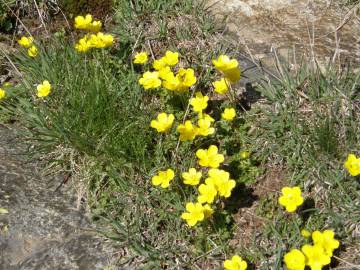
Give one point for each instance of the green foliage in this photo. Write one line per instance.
(309, 126)
(350, 2)
(161, 20)
(6, 22)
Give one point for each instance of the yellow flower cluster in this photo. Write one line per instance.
(316, 256)
(28, 43)
(188, 131)
(96, 40)
(185, 78)
(163, 75)
(352, 164)
(87, 23)
(218, 183)
(229, 68)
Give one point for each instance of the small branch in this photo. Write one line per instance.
(18, 18)
(151, 50)
(66, 179)
(137, 41)
(356, 266)
(184, 119)
(11, 62)
(41, 18)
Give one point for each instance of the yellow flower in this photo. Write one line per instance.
(150, 80)
(163, 178)
(244, 154)
(159, 64)
(44, 89)
(141, 58)
(224, 63)
(209, 157)
(204, 127)
(233, 75)
(186, 78)
(94, 27)
(294, 260)
(166, 73)
(181, 82)
(26, 42)
(32, 51)
(206, 117)
(7, 84)
(95, 41)
(199, 102)
(291, 198)
(207, 193)
(163, 122)
(208, 211)
(352, 164)
(315, 256)
(192, 177)
(236, 263)
(228, 114)
(107, 39)
(171, 58)
(222, 182)
(187, 131)
(83, 45)
(101, 40)
(326, 240)
(305, 233)
(2, 93)
(170, 81)
(194, 214)
(221, 86)
(83, 22)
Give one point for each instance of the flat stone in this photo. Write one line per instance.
(317, 28)
(43, 228)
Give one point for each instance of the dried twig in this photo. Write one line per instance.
(41, 17)
(18, 18)
(356, 266)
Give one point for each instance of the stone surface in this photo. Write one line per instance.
(318, 28)
(43, 229)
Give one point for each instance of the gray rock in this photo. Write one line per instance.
(43, 229)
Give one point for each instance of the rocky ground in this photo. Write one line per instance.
(324, 29)
(43, 229)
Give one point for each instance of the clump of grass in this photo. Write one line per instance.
(6, 20)
(308, 126)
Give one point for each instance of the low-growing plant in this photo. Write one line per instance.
(166, 151)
